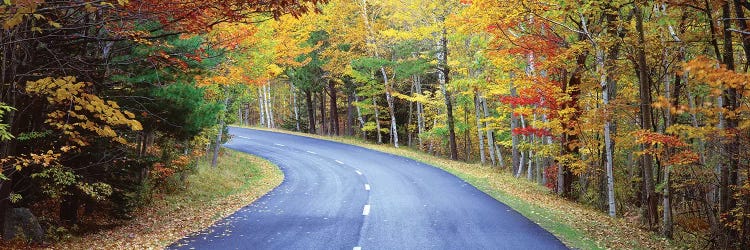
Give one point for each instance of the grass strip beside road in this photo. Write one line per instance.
(212, 194)
(578, 226)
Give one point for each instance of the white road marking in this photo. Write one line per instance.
(280, 145)
(366, 211)
(359, 173)
(243, 137)
(367, 187)
(357, 248)
(311, 152)
(340, 162)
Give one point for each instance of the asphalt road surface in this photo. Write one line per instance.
(339, 196)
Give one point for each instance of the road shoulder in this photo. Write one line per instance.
(239, 180)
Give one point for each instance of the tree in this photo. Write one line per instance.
(115, 53)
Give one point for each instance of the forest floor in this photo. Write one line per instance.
(211, 194)
(578, 226)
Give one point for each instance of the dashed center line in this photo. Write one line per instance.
(359, 173)
(243, 137)
(311, 152)
(339, 162)
(357, 248)
(367, 187)
(280, 145)
(366, 210)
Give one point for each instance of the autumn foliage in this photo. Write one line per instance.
(104, 104)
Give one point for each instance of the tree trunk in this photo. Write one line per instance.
(265, 106)
(521, 163)
(217, 146)
(742, 23)
(729, 175)
(391, 108)
(261, 108)
(334, 110)
(377, 119)
(420, 110)
(480, 134)
(467, 136)
(6, 188)
(515, 153)
(350, 114)
(529, 168)
(538, 168)
(443, 77)
(310, 112)
(323, 128)
(296, 107)
(522, 159)
(239, 113)
(667, 225)
(601, 67)
(409, 131)
(360, 118)
(246, 107)
(269, 106)
(649, 195)
(492, 147)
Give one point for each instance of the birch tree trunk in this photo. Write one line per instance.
(493, 148)
(246, 107)
(515, 154)
(480, 134)
(239, 114)
(261, 107)
(294, 103)
(269, 106)
(409, 131)
(600, 58)
(522, 159)
(666, 195)
(529, 168)
(391, 108)
(420, 110)
(538, 168)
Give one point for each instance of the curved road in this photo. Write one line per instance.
(339, 196)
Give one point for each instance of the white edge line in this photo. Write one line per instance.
(280, 145)
(311, 152)
(359, 173)
(339, 162)
(367, 187)
(366, 210)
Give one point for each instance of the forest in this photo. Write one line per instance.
(638, 109)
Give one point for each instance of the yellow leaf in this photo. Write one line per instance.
(54, 24)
